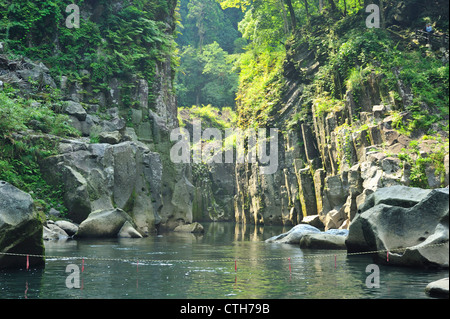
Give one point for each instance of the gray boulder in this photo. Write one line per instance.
(128, 231)
(398, 195)
(110, 137)
(76, 110)
(103, 224)
(322, 241)
(190, 228)
(54, 212)
(54, 232)
(20, 228)
(411, 223)
(68, 227)
(294, 235)
(438, 288)
(330, 239)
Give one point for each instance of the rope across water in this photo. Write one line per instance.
(227, 260)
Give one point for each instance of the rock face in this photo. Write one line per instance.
(121, 159)
(214, 192)
(24, 74)
(20, 228)
(331, 160)
(281, 198)
(123, 167)
(104, 176)
(410, 219)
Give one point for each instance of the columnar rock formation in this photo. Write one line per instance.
(329, 162)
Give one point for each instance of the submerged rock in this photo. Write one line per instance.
(20, 228)
(190, 228)
(411, 220)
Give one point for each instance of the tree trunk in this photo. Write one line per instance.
(332, 5)
(306, 8)
(382, 17)
(292, 14)
(285, 19)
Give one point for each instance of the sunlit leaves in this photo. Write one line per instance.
(242, 4)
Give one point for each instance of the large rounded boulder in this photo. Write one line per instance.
(20, 229)
(105, 224)
(410, 223)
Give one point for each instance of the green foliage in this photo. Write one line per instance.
(260, 84)
(356, 50)
(242, 4)
(418, 162)
(25, 174)
(264, 24)
(427, 78)
(429, 83)
(348, 59)
(268, 26)
(211, 116)
(18, 114)
(20, 154)
(208, 38)
(112, 42)
(204, 22)
(325, 104)
(206, 76)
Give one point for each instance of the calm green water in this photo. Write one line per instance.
(158, 274)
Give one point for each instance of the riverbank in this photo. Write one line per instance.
(174, 265)
(409, 223)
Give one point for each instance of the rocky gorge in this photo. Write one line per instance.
(125, 186)
(345, 178)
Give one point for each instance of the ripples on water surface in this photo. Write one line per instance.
(151, 268)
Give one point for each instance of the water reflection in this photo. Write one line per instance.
(179, 265)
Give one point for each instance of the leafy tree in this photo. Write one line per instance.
(206, 76)
(189, 79)
(204, 22)
(209, 38)
(218, 66)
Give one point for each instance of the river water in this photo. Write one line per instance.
(227, 261)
